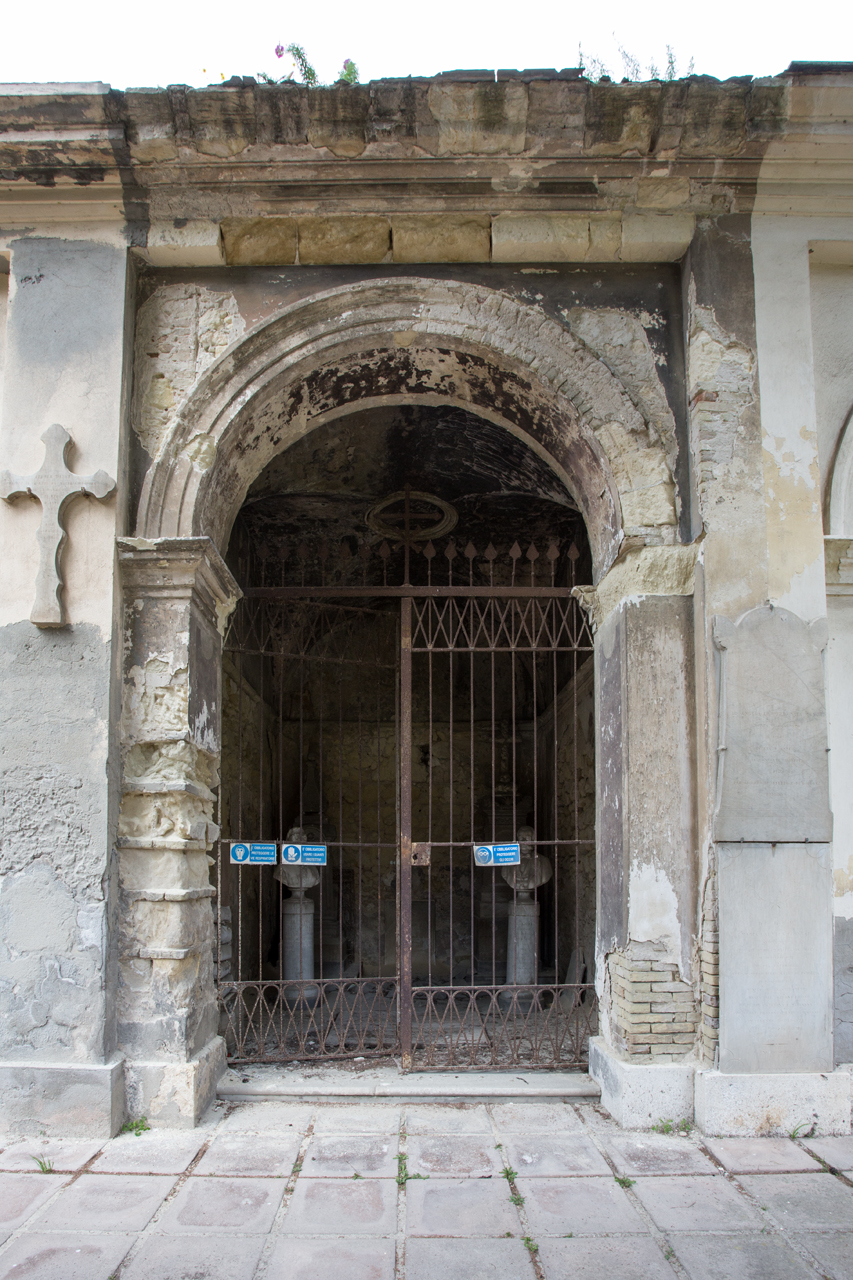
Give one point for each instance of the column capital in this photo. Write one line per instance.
(179, 568)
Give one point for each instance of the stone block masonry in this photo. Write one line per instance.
(653, 1010)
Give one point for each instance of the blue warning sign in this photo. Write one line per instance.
(254, 853)
(304, 854)
(497, 855)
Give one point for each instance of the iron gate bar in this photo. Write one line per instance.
(460, 1023)
(406, 834)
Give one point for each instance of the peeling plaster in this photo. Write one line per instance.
(653, 912)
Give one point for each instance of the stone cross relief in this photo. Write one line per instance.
(55, 486)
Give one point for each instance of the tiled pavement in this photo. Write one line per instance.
(377, 1191)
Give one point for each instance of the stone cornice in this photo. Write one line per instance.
(523, 144)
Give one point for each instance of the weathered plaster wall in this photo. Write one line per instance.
(64, 363)
(4, 302)
(53, 837)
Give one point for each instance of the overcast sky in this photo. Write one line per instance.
(162, 42)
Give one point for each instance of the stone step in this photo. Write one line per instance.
(389, 1084)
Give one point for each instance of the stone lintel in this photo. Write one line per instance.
(63, 1099)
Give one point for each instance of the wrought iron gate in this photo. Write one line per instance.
(400, 725)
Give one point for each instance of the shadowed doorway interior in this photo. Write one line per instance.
(407, 676)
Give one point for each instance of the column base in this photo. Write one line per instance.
(175, 1095)
(742, 1106)
(639, 1095)
(72, 1100)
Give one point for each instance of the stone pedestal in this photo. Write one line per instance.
(522, 934)
(298, 949)
(746, 1105)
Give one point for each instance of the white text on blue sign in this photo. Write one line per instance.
(497, 855)
(304, 854)
(255, 853)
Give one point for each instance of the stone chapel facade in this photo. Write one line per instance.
(602, 327)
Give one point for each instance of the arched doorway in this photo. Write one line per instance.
(370, 346)
(407, 678)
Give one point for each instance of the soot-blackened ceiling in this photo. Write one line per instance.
(322, 487)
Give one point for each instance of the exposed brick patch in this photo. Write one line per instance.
(653, 1011)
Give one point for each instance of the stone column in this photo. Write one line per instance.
(59, 1069)
(647, 856)
(178, 595)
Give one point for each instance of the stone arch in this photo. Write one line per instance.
(408, 339)
(838, 500)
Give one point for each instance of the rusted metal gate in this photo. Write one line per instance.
(401, 723)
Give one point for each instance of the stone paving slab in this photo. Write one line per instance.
(151, 1152)
(66, 1157)
(21, 1194)
(207, 1257)
(833, 1251)
(437, 1119)
(467, 1260)
(584, 1206)
(644, 1155)
(613, 1259)
(460, 1207)
(368, 1157)
(803, 1201)
(761, 1155)
(295, 1258)
(837, 1152)
(338, 1206)
(244, 1155)
(269, 1117)
(244, 1205)
(375, 1118)
(536, 1117)
(449, 1156)
(106, 1202)
(64, 1256)
(743, 1256)
(696, 1204)
(214, 1223)
(548, 1156)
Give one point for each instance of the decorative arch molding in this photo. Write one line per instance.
(410, 340)
(838, 501)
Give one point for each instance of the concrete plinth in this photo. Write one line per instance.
(175, 1095)
(729, 1105)
(640, 1095)
(298, 949)
(64, 1099)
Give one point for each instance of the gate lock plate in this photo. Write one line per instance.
(420, 854)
